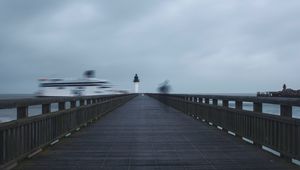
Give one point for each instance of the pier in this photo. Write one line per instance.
(153, 131)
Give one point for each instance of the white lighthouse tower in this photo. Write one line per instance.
(136, 82)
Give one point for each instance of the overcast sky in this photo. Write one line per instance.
(200, 46)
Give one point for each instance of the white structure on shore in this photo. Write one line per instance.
(136, 82)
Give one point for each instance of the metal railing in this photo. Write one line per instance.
(26, 135)
(281, 133)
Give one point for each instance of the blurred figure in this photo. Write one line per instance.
(164, 87)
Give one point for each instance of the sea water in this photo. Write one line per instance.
(11, 114)
(7, 115)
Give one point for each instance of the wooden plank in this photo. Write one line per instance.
(142, 134)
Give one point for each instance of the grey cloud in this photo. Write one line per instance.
(200, 46)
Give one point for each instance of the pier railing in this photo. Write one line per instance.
(278, 133)
(26, 136)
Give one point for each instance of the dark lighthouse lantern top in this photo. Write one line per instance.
(136, 79)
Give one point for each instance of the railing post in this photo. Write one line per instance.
(73, 103)
(22, 112)
(199, 99)
(195, 99)
(206, 100)
(215, 102)
(286, 111)
(88, 101)
(225, 103)
(46, 108)
(81, 102)
(257, 107)
(61, 106)
(239, 105)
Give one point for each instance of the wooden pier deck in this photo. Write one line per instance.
(145, 134)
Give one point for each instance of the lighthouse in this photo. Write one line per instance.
(136, 82)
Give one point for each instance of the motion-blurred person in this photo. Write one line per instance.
(164, 88)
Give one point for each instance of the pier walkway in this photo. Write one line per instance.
(145, 134)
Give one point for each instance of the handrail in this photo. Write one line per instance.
(278, 132)
(23, 104)
(28, 135)
(12, 103)
(286, 104)
(270, 100)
